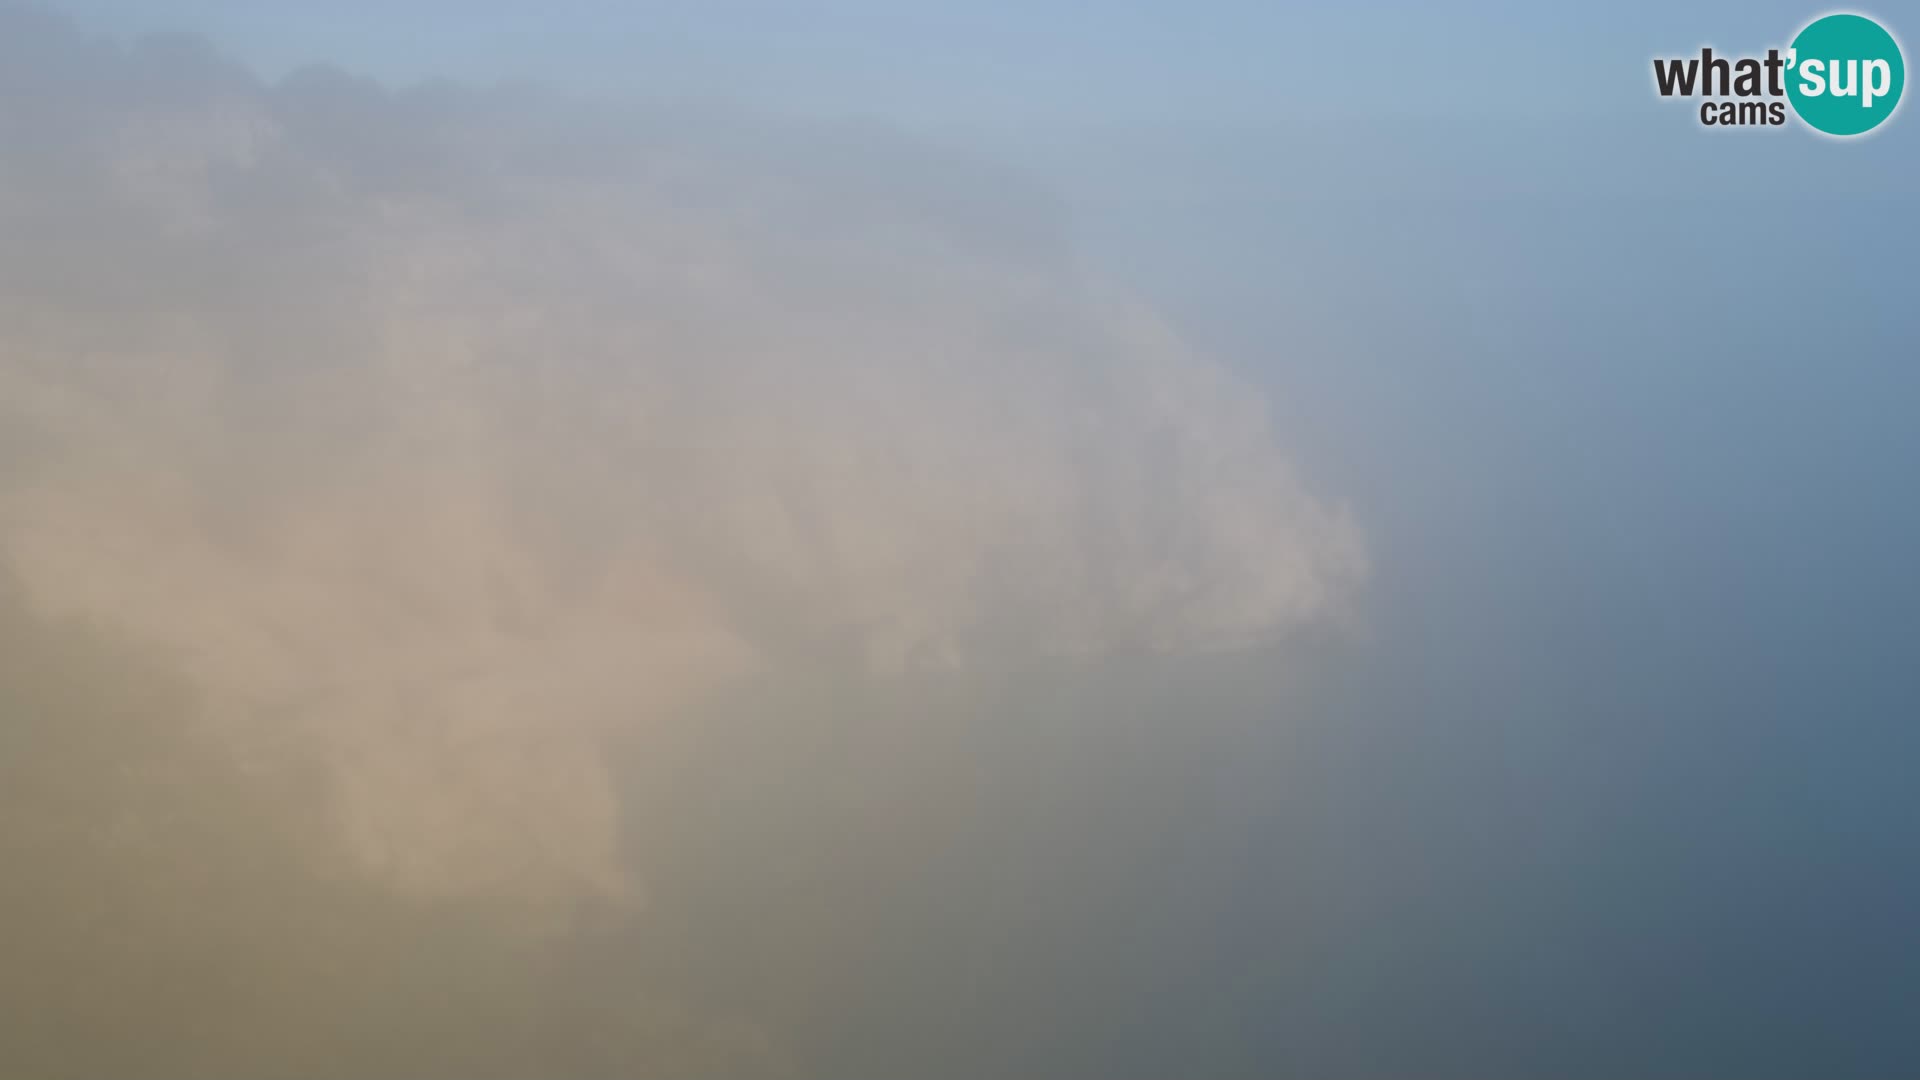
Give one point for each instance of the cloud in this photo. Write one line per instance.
(445, 434)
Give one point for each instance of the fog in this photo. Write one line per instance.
(437, 518)
(848, 539)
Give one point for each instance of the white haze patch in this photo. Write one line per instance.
(447, 434)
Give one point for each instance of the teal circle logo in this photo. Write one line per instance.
(1845, 74)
